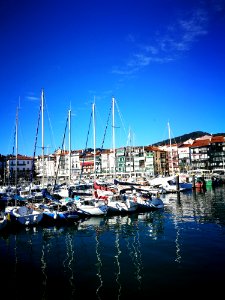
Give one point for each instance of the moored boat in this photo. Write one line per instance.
(91, 206)
(26, 215)
(149, 203)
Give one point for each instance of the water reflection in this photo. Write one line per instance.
(99, 267)
(193, 209)
(199, 206)
(134, 248)
(43, 266)
(153, 222)
(127, 245)
(117, 264)
(69, 260)
(120, 256)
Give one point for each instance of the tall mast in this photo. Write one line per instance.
(171, 152)
(113, 134)
(16, 173)
(94, 138)
(131, 161)
(42, 135)
(69, 117)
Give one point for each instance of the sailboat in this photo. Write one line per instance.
(90, 204)
(170, 184)
(62, 208)
(115, 200)
(25, 214)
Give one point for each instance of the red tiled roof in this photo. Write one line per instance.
(87, 163)
(21, 157)
(200, 143)
(185, 146)
(217, 139)
(152, 148)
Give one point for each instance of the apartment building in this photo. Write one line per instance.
(207, 152)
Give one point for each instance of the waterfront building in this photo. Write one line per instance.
(139, 161)
(18, 169)
(200, 153)
(184, 156)
(156, 161)
(149, 160)
(207, 152)
(123, 161)
(75, 164)
(45, 168)
(172, 158)
(106, 162)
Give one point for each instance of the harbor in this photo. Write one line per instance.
(112, 181)
(171, 252)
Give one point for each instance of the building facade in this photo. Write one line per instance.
(207, 152)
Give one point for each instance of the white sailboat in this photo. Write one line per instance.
(25, 214)
(63, 209)
(170, 184)
(89, 204)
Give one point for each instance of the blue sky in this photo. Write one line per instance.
(162, 60)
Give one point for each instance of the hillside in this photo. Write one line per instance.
(185, 137)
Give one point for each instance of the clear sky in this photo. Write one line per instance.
(162, 60)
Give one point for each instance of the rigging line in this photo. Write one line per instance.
(35, 145)
(14, 141)
(50, 125)
(16, 129)
(129, 139)
(11, 140)
(121, 119)
(22, 139)
(13, 152)
(56, 175)
(85, 148)
(103, 140)
(174, 139)
(106, 127)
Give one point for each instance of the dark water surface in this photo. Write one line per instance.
(177, 252)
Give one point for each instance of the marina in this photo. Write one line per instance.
(112, 181)
(176, 251)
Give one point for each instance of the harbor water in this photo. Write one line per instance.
(178, 251)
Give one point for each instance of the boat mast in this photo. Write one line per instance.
(69, 117)
(16, 171)
(113, 135)
(130, 152)
(42, 122)
(171, 152)
(94, 138)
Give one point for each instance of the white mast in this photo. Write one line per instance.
(94, 138)
(113, 135)
(17, 112)
(42, 135)
(130, 150)
(69, 119)
(171, 152)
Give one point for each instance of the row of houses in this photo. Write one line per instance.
(207, 152)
